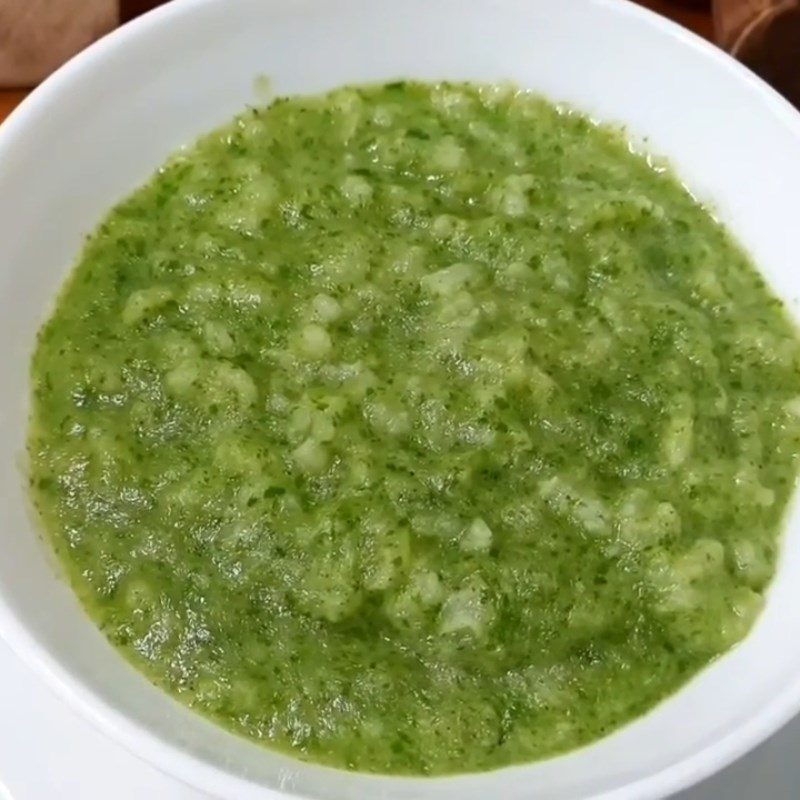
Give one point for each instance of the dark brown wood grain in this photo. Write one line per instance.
(9, 99)
(695, 15)
(128, 9)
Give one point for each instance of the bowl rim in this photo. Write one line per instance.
(192, 770)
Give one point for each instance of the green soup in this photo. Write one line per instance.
(416, 429)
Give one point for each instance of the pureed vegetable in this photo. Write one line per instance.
(416, 429)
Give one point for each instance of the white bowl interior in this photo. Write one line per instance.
(102, 125)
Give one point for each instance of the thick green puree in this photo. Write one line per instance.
(416, 429)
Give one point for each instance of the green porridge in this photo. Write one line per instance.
(416, 429)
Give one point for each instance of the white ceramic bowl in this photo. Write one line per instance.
(103, 123)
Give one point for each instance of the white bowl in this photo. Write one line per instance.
(103, 123)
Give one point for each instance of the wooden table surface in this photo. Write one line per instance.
(698, 20)
(9, 99)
